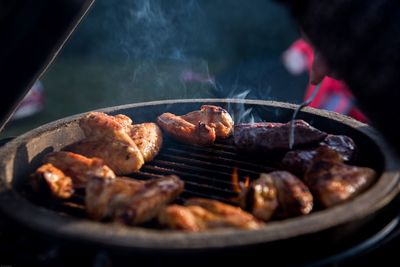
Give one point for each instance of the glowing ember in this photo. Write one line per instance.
(246, 182)
(235, 181)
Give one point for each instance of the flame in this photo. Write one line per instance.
(246, 182)
(235, 181)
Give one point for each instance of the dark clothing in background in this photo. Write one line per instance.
(361, 42)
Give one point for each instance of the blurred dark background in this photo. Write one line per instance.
(133, 51)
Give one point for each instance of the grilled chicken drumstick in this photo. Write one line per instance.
(198, 127)
(202, 214)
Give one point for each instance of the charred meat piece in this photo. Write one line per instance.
(342, 144)
(333, 182)
(103, 195)
(277, 194)
(198, 127)
(148, 138)
(79, 168)
(297, 161)
(200, 214)
(146, 203)
(52, 181)
(294, 196)
(272, 136)
(343, 149)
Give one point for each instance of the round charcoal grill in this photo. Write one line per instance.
(207, 172)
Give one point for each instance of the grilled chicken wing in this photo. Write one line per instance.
(52, 181)
(198, 127)
(202, 214)
(277, 194)
(107, 137)
(78, 167)
(186, 132)
(191, 218)
(146, 203)
(102, 196)
(121, 157)
(214, 117)
(271, 136)
(148, 138)
(333, 182)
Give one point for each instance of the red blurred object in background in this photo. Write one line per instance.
(32, 103)
(333, 95)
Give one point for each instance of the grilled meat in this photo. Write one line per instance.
(271, 136)
(191, 218)
(342, 144)
(103, 196)
(108, 138)
(121, 157)
(277, 194)
(148, 138)
(52, 181)
(146, 203)
(297, 161)
(78, 167)
(184, 131)
(200, 214)
(198, 127)
(333, 182)
(260, 198)
(294, 196)
(214, 117)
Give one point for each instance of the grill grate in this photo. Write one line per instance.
(206, 171)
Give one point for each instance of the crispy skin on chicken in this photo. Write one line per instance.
(107, 137)
(190, 218)
(103, 195)
(333, 182)
(52, 181)
(278, 194)
(78, 167)
(260, 198)
(214, 214)
(209, 214)
(148, 138)
(272, 136)
(294, 196)
(121, 157)
(146, 203)
(213, 116)
(198, 127)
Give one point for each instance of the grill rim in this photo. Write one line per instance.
(38, 218)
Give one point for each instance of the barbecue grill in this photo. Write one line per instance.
(207, 172)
